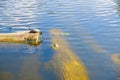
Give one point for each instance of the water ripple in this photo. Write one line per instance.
(93, 27)
(19, 13)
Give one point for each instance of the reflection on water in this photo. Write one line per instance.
(92, 28)
(89, 41)
(118, 6)
(65, 64)
(18, 12)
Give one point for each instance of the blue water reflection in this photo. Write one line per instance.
(93, 27)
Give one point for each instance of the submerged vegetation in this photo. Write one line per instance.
(64, 62)
(80, 40)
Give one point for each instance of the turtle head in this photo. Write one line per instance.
(35, 31)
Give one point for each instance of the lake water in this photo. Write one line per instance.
(92, 29)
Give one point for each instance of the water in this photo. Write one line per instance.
(93, 28)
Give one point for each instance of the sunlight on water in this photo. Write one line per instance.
(19, 12)
(87, 49)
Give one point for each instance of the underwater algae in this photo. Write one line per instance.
(64, 62)
(116, 61)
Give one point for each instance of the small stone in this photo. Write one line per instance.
(55, 46)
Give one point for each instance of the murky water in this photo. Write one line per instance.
(89, 40)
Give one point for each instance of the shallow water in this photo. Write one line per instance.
(90, 27)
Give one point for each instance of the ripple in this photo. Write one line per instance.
(93, 27)
(19, 13)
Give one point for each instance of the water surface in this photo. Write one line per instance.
(90, 27)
